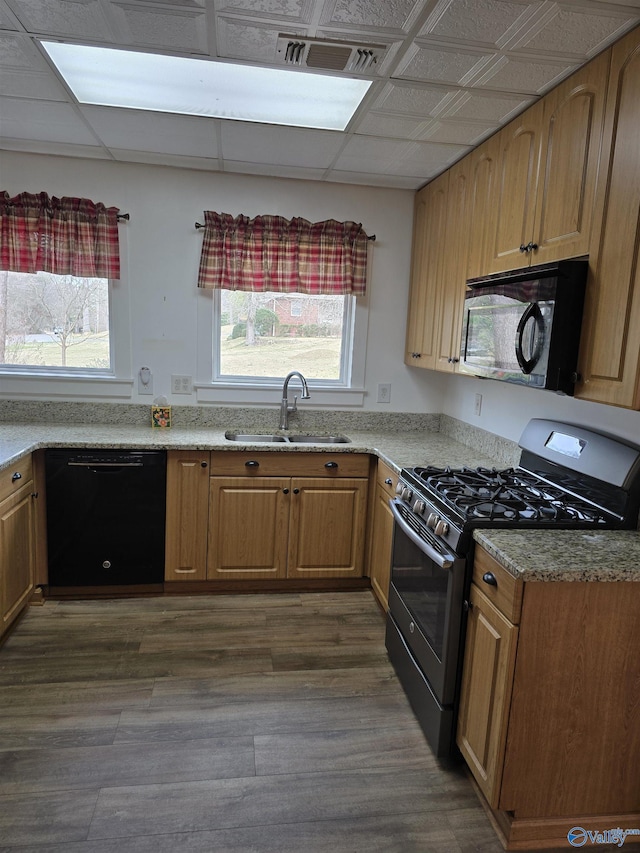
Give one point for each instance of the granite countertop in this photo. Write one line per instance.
(565, 555)
(532, 555)
(397, 449)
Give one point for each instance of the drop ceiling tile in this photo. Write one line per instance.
(458, 132)
(276, 145)
(273, 171)
(485, 106)
(17, 52)
(442, 64)
(579, 32)
(294, 11)
(43, 120)
(413, 100)
(244, 40)
(78, 18)
(159, 133)
(522, 75)
(384, 124)
(31, 84)
(8, 20)
(375, 179)
(366, 154)
(481, 22)
(391, 16)
(173, 29)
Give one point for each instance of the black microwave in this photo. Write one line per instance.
(523, 326)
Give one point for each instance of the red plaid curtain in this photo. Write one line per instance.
(66, 236)
(270, 253)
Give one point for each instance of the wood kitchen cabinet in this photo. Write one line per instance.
(17, 540)
(429, 253)
(546, 722)
(287, 515)
(547, 164)
(187, 515)
(609, 363)
(381, 536)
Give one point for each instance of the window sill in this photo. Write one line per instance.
(251, 394)
(49, 385)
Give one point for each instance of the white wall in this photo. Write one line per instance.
(162, 249)
(506, 409)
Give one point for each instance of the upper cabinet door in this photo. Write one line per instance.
(429, 253)
(571, 139)
(482, 204)
(513, 207)
(610, 347)
(541, 207)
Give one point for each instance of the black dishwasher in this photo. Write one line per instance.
(105, 517)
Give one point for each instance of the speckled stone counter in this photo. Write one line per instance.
(398, 449)
(565, 555)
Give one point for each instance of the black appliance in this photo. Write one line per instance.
(568, 477)
(524, 326)
(105, 517)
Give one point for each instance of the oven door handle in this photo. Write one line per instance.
(439, 559)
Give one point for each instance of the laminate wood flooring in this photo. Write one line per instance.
(219, 724)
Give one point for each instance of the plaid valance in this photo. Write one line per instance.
(271, 253)
(66, 236)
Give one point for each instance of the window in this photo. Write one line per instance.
(261, 335)
(54, 322)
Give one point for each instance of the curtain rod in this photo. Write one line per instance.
(123, 216)
(200, 225)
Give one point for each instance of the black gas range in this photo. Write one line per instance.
(568, 477)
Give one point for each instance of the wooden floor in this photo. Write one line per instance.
(247, 724)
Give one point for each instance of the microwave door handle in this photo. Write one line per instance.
(439, 559)
(533, 313)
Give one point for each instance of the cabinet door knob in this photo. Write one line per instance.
(203, 464)
(285, 491)
(16, 476)
(330, 464)
(490, 578)
(388, 482)
(251, 463)
(523, 248)
(531, 247)
(296, 491)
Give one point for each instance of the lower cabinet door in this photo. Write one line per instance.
(248, 528)
(327, 528)
(487, 681)
(380, 546)
(17, 553)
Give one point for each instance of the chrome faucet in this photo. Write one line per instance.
(285, 408)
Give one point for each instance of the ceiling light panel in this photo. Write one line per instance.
(145, 81)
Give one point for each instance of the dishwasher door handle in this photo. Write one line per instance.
(105, 464)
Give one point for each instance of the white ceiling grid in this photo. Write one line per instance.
(452, 72)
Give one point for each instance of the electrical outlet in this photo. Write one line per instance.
(384, 392)
(478, 404)
(181, 384)
(145, 381)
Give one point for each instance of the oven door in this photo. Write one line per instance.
(426, 600)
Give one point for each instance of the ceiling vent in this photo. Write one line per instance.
(329, 55)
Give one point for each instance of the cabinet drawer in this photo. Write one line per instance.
(8, 485)
(235, 463)
(386, 478)
(506, 592)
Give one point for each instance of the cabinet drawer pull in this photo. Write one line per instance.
(490, 578)
(251, 463)
(203, 464)
(330, 464)
(16, 476)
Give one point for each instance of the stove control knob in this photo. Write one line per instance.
(407, 494)
(441, 528)
(419, 507)
(432, 520)
(399, 489)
